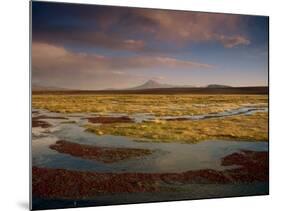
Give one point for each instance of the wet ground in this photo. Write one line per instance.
(50, 128)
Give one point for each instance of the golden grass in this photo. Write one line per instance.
(243, 127)
(252, 127)
(158, 105)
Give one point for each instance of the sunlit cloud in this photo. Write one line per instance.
(230, 42)
(50, 61)
(50, 57)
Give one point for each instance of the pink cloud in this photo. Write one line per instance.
(56, 65)
(51, 58)
(232, 41)
(190, 26)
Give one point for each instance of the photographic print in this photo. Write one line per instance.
(135, 105)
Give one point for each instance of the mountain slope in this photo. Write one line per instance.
(151, 84)
(218, 86)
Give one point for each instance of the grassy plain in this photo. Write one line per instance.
(158, 105)
(241, 127)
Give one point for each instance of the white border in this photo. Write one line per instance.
(15, 102)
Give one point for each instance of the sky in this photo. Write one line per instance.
(91, 47)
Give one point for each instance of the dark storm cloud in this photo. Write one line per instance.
(131, 28)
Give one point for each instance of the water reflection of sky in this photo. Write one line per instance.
(167, 157)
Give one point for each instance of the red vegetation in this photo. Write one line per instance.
(60, 183)
(177, 119)
(103, 154)
(49, 117)
(39, 123)
(109, 120)
(254, 166)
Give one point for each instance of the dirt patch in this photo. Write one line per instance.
(103, 154)
(60, 183)
(110, 120)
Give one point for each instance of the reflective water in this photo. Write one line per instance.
(166, 157)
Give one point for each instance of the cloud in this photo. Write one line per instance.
(89, 39)
(46, 56)
(158, 78)
(194, 27)
(131, 29)
(230, 42)
(57, 65)
(118, 72)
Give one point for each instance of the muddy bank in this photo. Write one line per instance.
(67, 184)
(48, 117)
(60, 183)
(109, 119)
(102, 154)
(253, 166)
(40, 123)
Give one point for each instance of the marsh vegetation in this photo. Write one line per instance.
(251, 127)
(158, 105)
(158, 127)
(107, 145)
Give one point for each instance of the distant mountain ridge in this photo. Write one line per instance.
(148, 85)
(218, 86)
(151, 84)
